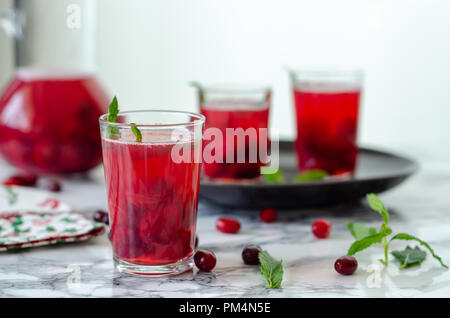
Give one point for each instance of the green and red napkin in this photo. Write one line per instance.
(31, 217)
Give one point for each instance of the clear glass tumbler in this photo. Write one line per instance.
(327, 107)
(152, 163)
(232, 107)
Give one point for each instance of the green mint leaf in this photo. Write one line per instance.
(360, 230)
(409, 256)
(113, 131)
(136, 132)
(364, 243)
(407, 237)
(113, 110)
(12, 195)
(368, 241)
(271, 269)
(274, 177)
(311, 175)
(376, 205)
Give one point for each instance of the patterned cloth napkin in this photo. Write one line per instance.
(31, 217)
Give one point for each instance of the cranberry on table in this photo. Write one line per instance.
(321, 228)
(268, 215)
(49, 184)
(24, 180)
(101, 216)
(346, 265)
(250, 254)
(228, 225)
(205, 260)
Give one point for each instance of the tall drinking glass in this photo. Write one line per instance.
(327, 107)
(152, 186)
(230, 108)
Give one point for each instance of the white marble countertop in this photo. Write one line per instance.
(420, 206)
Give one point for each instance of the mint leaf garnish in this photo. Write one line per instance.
(136, 132)
(360, 230)
(112, 131)
(376, 205)
(274, 177)
(113, 110)
(409, 256)
(408, 237)
(311, 175)
(271, 269)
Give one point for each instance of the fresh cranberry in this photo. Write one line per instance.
(346, 265)
(228, 225)
(268, 215)
(250, 254)
(321, 228)
(196, 241)
(101, 216)
(25, 180)
(49, 184)
(205, 260)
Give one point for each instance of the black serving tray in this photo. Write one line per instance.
(376, 171)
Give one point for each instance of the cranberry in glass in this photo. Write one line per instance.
(228, 225)
(101, 217)
(205, 260)
(25, 180)
(346, 265)
(250, 254)
(321, 228)
(49, 184)
(268, 215)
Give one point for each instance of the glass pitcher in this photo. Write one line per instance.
(49, 110)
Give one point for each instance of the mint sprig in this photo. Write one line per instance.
(311, 175)
(271, 269)
(113, 111)
(136, 132)
(365, 237)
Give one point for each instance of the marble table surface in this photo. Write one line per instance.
(420, 206)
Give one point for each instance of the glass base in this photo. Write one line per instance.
(177, 268)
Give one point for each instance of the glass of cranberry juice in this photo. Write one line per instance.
(236, 106)
(152, 186)
(327, 107)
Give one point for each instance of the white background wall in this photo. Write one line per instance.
(148, 51)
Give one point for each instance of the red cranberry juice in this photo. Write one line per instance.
(152, 202)
(49, 123)
(327, 123)
(236, 116)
